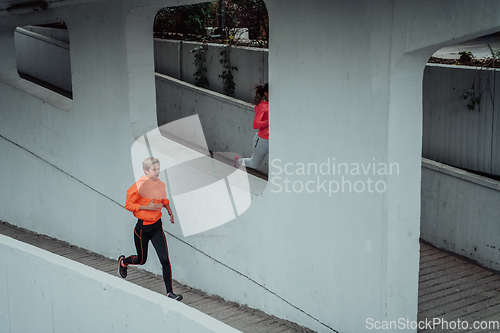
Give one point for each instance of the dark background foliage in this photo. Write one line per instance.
(191, 22)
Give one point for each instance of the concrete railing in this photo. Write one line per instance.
(61, 295)
(61, 35)
(43, 53)
(452, 134)
(175, 59)
(460, 212)
(227, 122)
(44, 58)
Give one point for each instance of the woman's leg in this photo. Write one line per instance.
(259, 151)
(160, 244)
(141, 244)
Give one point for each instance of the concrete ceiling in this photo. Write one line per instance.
(25, 12)
(33, 5)
(20, 12)
(15, 13)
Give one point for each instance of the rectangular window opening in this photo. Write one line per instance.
(43, 58)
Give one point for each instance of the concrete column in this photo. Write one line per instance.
(345, 84)
(8, 66)
(330, 105)
(140, 63)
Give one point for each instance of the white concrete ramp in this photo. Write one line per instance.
(203, 313)
(61, 295)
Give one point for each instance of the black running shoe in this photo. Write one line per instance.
(177, 297)
(122, 270)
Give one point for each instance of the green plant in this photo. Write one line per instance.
(198, 16)
(200, 76)
(465, 57)
(228, 83)
(474, 99)
(474, 92)
(495, 55)
(184, 21)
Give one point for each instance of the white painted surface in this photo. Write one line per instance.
(61, 295)
(460, 212)
(345, 83)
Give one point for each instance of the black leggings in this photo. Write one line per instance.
(154, 233)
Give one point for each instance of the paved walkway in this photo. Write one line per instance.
(453, 288)
(450, 289)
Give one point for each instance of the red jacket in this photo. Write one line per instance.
(141, 193)
(261, 120)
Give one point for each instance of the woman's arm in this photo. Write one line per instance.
(151, 206)
(167, 206)
(132, 202)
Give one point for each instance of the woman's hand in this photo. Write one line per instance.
(167, 206)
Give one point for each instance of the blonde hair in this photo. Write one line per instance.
(148, 162)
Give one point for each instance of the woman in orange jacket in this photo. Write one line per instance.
(145, 199)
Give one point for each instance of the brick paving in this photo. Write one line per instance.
(451, 288)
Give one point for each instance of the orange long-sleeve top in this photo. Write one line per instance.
(261, 120)
(141, 193)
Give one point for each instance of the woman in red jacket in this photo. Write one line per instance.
(261, 122)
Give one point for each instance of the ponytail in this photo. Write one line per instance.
(260, 89)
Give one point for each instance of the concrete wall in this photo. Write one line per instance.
(227, 122)
(44, 58)
(460, 212)
(61, 150)
(61, 295)
(452, 134)
(346, 82)
(174, 58)
(44, 54)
